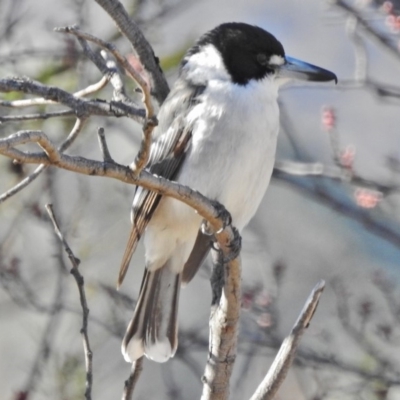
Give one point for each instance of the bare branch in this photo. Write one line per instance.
(223, 324)
(151, 120)
(42, 101)
(85, 310)
(43, 116)
(207, 209)
(121, 59)
(23, 184)
(81, 107)
(380, 227)
(144, 152)
(335, 173)
(362, 22)
(95, 87)
(130, 383)
(361, 66)
(284, 359)
(29, 179)
(131, 31)
(103, 145)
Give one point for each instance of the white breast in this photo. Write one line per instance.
(234, 142)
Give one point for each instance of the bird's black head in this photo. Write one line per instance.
(247, 50)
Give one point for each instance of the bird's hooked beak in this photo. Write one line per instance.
(297, 69)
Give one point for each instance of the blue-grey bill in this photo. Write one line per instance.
(298, 69)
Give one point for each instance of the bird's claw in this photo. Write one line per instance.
(223, 214)
(235, 247)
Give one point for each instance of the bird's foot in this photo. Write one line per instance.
(235, 246)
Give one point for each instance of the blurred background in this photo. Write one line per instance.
(331, 211)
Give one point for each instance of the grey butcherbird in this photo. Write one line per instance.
(217, 134)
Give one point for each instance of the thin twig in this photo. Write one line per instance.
(85, 310)
(284, 359)
(140, 45)
(120, 58)
(361, 338)
(151, 120)
(361, 57)
(103, 145)
(46, 346)
(368, 28)
(130, 383)
(37, 116)
(40, 101)
(144, 151)
(108, 68)
(29, 179)
(81, 106)
(325, 195)
(335, 173)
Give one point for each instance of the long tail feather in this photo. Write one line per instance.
(153, 330)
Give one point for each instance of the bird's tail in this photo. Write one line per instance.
(153, 330)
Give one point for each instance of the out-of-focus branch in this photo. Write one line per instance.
(357, 334)
(140, 45)
(310, 187)
(29, 179)
(82, 295)
(332, 172)
(284, 359)
(360, 52)
(365, 25)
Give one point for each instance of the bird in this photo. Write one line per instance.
(217, 133)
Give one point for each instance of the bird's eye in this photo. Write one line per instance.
(262, 59)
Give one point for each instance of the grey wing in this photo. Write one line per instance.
(167, 153)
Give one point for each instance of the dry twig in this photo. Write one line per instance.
(151, 120)
(29, 179)
(82, 295)
(81, 106)
(140, 46)
(284, 359)
(130, 383)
